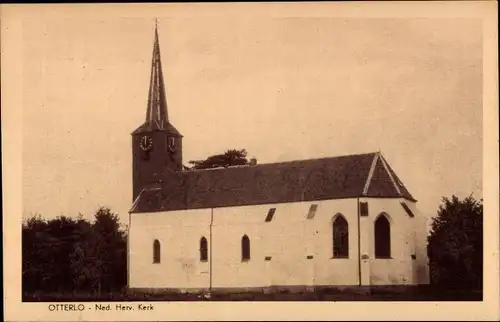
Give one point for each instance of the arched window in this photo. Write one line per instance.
(203, 249)
(382, 237)
(156, 252)
(340, 237)
(245, 248)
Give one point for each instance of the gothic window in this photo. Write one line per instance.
(340, 237)
(245, 248)
(156, 252)
(203, 249)
(382, 237)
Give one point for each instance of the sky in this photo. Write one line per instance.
(282, 88)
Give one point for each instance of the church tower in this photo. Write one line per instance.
(156, 144)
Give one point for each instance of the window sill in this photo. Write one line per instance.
(383, 257)
(245, 260)
(204, 261)
(340, 257)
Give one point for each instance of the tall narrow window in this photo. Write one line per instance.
(382, 237)
(171, 144)
(340, 237)
(245, 248)
(203, 249)
(156, 251)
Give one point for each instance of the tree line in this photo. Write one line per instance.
(68, 255)
(76, 255)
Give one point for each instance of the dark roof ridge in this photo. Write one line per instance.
(283, 162)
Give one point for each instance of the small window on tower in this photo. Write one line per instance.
(171, 143)
(270, 214)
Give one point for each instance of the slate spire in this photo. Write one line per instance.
(157, 114)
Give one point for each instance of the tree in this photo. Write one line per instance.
(111, 251)
(455, 244)
(227, 159)
(68, 255)
(99, 258)
(46, 246)
(83, 258)
(33, 253)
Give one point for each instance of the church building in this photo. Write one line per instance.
(336, 221)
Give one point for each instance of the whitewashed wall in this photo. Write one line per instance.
(288, 239)
(407, 238)
(421, 233)
(179, 233)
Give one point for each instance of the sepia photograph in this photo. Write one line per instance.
(202, 153)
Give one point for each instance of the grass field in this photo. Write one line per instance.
(421, 294)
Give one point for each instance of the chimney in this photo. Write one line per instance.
(253, 161)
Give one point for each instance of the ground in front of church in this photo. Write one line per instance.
(417, 294)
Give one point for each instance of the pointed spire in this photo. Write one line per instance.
(157, 114)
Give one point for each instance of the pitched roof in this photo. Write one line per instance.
(362, 175)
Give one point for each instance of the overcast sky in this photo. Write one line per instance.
(281, 88)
